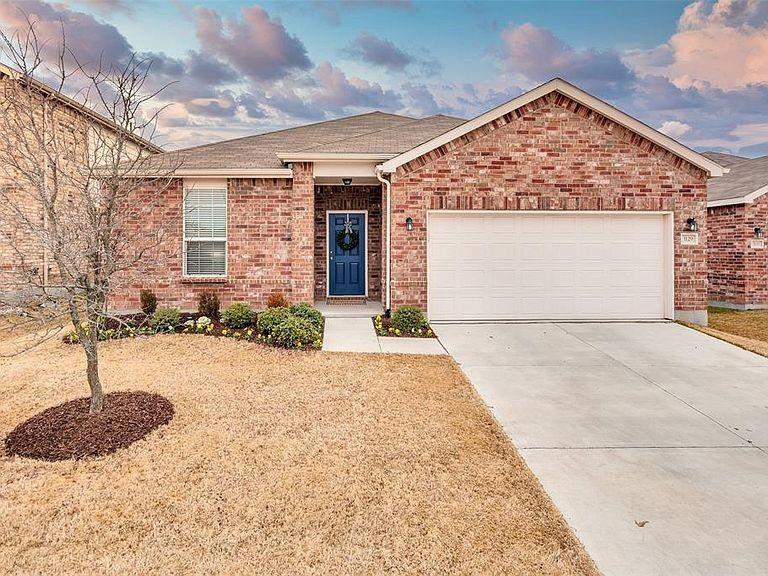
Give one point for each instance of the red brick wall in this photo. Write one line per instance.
(260, 255)
(552, 154)
(352, 198)
(738, 273)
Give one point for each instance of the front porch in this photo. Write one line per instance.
(348, 279)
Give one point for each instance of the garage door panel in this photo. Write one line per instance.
(516, 265)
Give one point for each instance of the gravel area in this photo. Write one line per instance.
(276, 462)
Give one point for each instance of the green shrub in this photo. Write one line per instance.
(270, 318)
(294, 332)
(165, 319)
(208, 304)
(307, 312)
(148, 302)
(409, 319)
(237, 315)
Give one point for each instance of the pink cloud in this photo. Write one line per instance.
(724, 45)
(256, 45)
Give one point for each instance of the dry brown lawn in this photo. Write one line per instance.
(276, 463)
(745, 328)
(752, 324)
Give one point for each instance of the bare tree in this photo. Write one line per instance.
(74, 181)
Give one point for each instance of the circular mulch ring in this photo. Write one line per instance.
(68, 431)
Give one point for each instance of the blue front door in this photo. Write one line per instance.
(346, 266)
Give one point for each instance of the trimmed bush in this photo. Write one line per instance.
(277, 300)
(165, 319)
(148, 302)
(307, 312)
(208, 304)
(409, 319)
(270, 318)
(237, 315)
(294, 332)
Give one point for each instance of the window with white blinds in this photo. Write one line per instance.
(205, 232)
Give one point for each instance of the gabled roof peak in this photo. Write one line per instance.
(576, 94)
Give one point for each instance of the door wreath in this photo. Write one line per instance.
(347, 239)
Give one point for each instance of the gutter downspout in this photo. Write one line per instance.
(388, 187)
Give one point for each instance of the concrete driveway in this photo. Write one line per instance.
(651, 438)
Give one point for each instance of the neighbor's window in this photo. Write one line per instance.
(205, 232)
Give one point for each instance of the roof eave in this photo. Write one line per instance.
(75, 105)
(747, 199)
(558, 85)
(333, 157)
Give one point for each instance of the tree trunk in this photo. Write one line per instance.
(92, 371)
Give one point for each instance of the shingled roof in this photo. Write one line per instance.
(746, 180)
(370, 133)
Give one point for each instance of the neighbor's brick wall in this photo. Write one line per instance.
(261, 259)
(23, 257)
(552, 154)
(738, 274)
(354, 199)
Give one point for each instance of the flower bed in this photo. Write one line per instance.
(406, 322)
(299, 326)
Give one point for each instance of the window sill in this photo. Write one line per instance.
(204, 280)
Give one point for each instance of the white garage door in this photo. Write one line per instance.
(518, 265)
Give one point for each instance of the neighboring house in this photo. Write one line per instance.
(737, 218)
(554, 205)
(23, 258)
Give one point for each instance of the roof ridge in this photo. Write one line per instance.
(413, 120)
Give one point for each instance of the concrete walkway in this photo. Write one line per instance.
(358, 335)
(652, 439)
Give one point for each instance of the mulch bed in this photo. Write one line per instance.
(68, 431)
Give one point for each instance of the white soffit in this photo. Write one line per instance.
(580, 96)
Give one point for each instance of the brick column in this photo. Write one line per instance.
(303, 233)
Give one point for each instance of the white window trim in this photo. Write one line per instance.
(184, 239)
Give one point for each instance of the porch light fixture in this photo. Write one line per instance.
(346, 181)
(691, 225)
(759, 232)
(409, 223)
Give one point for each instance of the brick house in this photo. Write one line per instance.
(24, 260)
(737, 217)
(552, 205)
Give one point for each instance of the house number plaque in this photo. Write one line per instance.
(689, 239)
(757, 243)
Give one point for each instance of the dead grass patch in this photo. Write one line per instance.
(277, 462)
(751, 324)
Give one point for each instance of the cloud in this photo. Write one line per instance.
(223, 107)
(89, 39)
(722, 44)
(256, 45)
(674, 129)
(332, 11)
(385, 54)
(539, 55)
(208, 69)
(379, 52)
(107, 7)
(335, 92)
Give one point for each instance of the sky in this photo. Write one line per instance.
(697, 71)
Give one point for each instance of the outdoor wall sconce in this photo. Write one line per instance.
(759, 232)
(691, 225)
(346, 181)
(409, 223)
